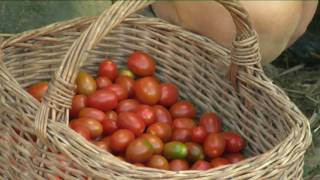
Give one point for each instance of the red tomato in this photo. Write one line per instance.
(103, 99)
(109, 126)
(139, 164)
(120, 139)
(158, 162)
(147, 90)
(128, 105)
(155, 141)
(234, 142)
(210, 122)
(169, 94)
(156, 78)
(140, 150)
(178, 165)
(103, 82)
(217, 162)
(84, 132)
(103, 145)
(141, 64)
(234, 157)
(38, 90)
(94, 126)
(109, 123)
(183, 109)
(109, 69)
(214, 145)
(127, 83)
(92, 113)
(182, 135)
(146, 113)
(198, 134)
(162, 114)
(201, 165)
(78, 102)
(121, 92)
(120, 158)
(162, 130)
(183, 123)
(85, 83)
(111, 115)
(131, 121)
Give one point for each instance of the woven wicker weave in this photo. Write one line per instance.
(35, 138)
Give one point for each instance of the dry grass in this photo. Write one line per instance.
(302, 84)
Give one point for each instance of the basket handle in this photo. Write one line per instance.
(58, 99)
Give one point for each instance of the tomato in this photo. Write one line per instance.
(109, 69)
(182, 135)
(183, 123)
(198, 134)
(201, 165)
(38, 90)
(103, 145)
(147, 90)
(85, 83)
(183, 109)
(127, 83)
(214, 145)
(84, 132)
(120, 158)
(234, 157)
(92, 113)
(175, 150)
(169, 94)
(121, 92)
(195, 152)
(162, 130)
(131, 121)
(146, 113)
(94, 126)
(139, 164)
(111, 115)
(128, 105)
(109, 123)
(103, 100)
(103, 82)
(141, 64)
(210, 122)
(155, 141)
(120, 139)
(162, 114)
(217, 162)
(126, 72)
(157, 79)
(234, 142)
(78, 102)
(139, 150)
(109, 126)
(178, 165)
(158, 162)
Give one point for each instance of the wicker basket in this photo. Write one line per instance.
(35, 138)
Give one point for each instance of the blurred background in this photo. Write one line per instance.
(297, 70)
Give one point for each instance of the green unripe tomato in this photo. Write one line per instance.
(175, 150)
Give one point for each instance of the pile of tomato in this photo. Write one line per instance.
(133, 115)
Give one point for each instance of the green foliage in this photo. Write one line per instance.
(18, 16)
